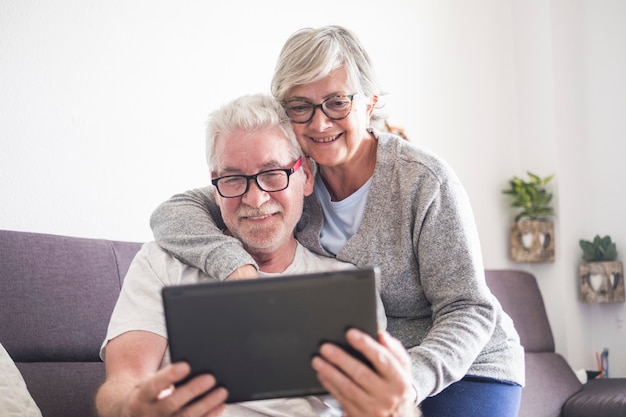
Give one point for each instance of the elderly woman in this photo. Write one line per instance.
(380, 201)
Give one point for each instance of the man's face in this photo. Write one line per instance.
(263, 221)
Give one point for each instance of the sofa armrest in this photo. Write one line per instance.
(598, 398)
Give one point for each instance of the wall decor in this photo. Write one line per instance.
(532, 233)
(601, 276)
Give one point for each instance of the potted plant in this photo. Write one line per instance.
(532, 233)
(601, 275)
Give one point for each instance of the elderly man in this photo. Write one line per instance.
(260, 179)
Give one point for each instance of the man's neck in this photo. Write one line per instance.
(276, 261)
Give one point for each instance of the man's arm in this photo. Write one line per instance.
(135, 386)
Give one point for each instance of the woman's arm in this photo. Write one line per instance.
(190, 227)
(427, 247)
(452, 278)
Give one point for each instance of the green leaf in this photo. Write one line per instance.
(530, 197)
(601, 249)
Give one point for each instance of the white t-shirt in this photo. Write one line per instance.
(139, 307)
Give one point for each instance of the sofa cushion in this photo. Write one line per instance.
(549, 382)
(599, 397)
(521, 299)
(58, 294)
(65, 389)
(15, 400)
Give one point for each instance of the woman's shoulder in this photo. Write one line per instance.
(404, 155)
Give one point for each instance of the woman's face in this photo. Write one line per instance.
(332, 142)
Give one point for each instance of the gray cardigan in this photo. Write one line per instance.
(418, 228)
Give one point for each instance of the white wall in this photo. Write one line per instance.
(103, 103)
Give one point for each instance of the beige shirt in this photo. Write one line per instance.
(140, 307)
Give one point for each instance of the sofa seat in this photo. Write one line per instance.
(56, 297)
(57, 294)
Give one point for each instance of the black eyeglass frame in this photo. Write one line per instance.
(288, 171)
(314, 107)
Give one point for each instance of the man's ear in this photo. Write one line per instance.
(218, 197)
(309, 178)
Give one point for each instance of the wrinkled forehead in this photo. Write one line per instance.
(242, 150)
(337, 82)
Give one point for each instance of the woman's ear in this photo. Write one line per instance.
(371, 106)
(309, 176)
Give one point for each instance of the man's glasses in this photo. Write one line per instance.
(231, 186)
(335, 108)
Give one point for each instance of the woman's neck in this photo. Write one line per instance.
(345, 179)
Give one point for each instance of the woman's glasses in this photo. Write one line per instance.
(335, 108)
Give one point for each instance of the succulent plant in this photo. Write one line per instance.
(601, 249)
(531, 197)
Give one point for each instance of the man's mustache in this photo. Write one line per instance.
(265, 210)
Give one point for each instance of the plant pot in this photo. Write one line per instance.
(532, 241)
(602, 282)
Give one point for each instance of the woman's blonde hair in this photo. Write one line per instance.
(312, 54)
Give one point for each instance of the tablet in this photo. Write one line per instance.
(257, 337)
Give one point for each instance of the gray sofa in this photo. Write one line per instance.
(56, 296)
(552, 388)
(57, 293)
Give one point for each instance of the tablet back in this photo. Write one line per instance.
(257, 337)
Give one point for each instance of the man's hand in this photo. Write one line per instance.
(243, 272)
(155, 396)
(361, 391)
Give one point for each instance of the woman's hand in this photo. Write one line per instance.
(243, 272)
